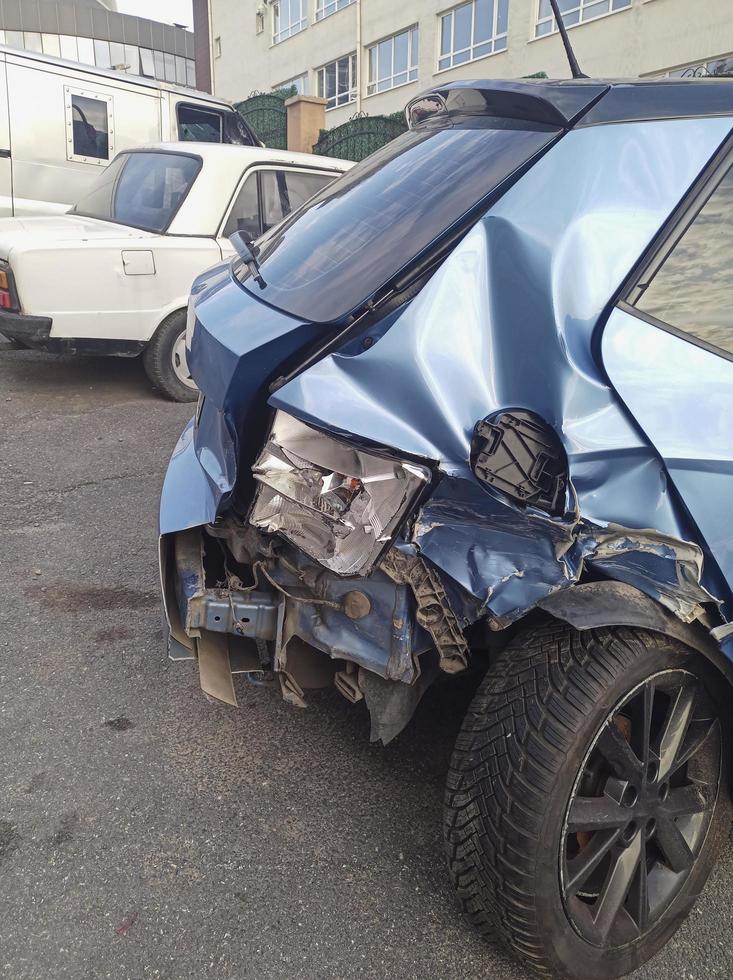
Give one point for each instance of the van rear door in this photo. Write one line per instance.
(6, 175)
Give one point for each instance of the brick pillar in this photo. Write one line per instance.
(201, 45)
(306, 118)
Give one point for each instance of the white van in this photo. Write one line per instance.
(62, 122)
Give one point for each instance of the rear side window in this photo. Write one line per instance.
(284, 191)
(692, 289)
(245, 213)
(89, 127)
(268, 196)
(375, 220)
(199, 125)
(142, 189)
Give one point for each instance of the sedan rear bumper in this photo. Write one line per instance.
(30, 331)
(35, 332)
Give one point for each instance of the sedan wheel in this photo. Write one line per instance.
(165, 360)
(180, 364)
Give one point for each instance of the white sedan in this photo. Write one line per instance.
(112, 276)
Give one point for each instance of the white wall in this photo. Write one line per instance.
(650, 37)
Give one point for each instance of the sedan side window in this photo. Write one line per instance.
(285, 191)
(245, 213)
(692, 290)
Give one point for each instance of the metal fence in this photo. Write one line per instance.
(360, 136)
(265, 113)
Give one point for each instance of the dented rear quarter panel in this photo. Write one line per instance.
(508, 321)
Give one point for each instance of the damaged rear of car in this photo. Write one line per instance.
(473, 403)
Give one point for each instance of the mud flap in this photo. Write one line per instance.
(215, 668)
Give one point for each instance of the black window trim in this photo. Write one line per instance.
(667, 240)
(152, 231)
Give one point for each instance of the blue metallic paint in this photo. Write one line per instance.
(682, 397)
(507, 321)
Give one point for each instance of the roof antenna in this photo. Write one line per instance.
(574, 66)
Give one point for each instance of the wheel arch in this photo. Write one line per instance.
(164, 315)
(608, 603)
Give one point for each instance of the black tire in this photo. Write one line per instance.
(531, 757)
(158, 359)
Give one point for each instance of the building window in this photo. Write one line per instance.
(472, 31)
(51, 45)
(85, 47)
(720, 67)
(574, 12)
(393, 62)
(324, 8)
(299, 83)
(288, 17)
(32, 42)
(337, 82)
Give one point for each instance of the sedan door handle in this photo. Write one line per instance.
(5, 154)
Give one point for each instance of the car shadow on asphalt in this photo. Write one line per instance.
(58, 375)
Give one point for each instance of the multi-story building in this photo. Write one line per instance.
(374, 55)
(93, 32)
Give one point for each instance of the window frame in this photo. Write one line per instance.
(211, 110)
(153, 231)
(294, 27)
(69, 92)
(322, 12)
(292, 83)
(581, 5)
(353, 80)
(491, 40)
(257, 169)
(371, 86)
(681, 219)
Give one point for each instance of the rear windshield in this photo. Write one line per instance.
(142, 189)
(350, 239)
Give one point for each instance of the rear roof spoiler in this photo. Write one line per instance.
(559, 103)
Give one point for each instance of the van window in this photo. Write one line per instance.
(89, 127)
(693, 289)
(199, 125)
(143, 189)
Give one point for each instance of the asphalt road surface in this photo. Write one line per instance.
(146, 833)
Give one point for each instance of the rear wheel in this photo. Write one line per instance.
(587, 797)
(165, 361)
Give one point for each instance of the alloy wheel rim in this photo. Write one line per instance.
(180, 363)
(640, 809)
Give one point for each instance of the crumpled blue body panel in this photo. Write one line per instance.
(508, 321)
(238, 346)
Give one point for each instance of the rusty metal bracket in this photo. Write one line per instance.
(433, 609)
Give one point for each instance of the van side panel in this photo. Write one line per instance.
(49, 169)
(6, 173)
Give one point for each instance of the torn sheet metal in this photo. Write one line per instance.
(465, 349)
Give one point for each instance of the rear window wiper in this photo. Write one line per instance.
(248, 252)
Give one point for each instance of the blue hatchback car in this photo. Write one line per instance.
(473, 405)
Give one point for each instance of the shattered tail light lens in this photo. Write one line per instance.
(336, 503)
